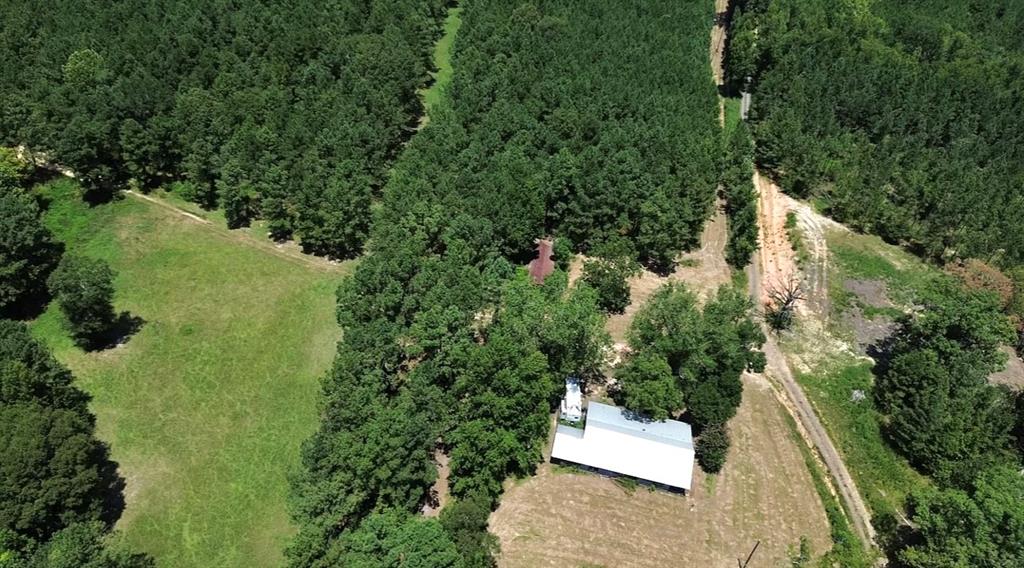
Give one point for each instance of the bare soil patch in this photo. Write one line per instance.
(874, 293)
(702, 270)
(764, 493)
(439, 492)
(778, 260)
(1013, 375)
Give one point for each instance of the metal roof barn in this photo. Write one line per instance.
(622, 442)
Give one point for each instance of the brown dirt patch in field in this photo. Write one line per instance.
(439, 492)
(764, 493)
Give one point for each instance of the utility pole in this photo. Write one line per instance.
(749, 556)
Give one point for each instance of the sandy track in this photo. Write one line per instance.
(774, 264)
(776, 260)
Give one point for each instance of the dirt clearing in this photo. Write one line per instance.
(764, 493)
(702, 270)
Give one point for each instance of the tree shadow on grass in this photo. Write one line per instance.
(124, 327)
(110, 489)
(29, 307)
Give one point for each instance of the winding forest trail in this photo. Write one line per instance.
(774, 264)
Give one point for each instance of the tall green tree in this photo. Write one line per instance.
(940, 410)
(647, 386)
(712, 447)
(28, 252)
(395, 539)
(52, 474)
(83, 545)
(84, 289)
(980, 527)
(29, 373)
(13, 170)
(465, 521)
(610, 278)
(740, 197)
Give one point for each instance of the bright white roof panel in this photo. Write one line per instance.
(616, 441)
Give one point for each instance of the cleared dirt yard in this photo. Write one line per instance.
(764, 493)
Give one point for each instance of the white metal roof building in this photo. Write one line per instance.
(618, 441)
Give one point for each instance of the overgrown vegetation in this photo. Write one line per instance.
(847, 549)
(59, 491)
(574, 119)
(901, 116)
(289, 111)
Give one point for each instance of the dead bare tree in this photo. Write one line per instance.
(781, 305)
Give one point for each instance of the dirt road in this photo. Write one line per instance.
(718, 33)
(287, 251)
(776, 262)
(773, 265)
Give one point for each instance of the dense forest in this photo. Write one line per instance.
(904, 119)
(563, 120)
(591, 120)
(289, 111)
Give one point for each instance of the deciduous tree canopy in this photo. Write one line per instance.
(59, 491)
(27, 250)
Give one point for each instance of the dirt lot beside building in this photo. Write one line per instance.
(765, 493)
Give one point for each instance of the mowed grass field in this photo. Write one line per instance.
(206, 406)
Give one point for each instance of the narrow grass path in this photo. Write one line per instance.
(434, 94)
(206, 407)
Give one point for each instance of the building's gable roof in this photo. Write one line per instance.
(617, 441)
(543, 265)
(621, 420)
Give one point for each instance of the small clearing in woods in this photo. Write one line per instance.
(765, 492)
(702, 270)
